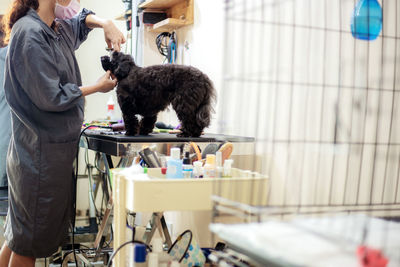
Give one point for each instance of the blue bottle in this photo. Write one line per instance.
(140, 255)
(174, 164)
(366, 22)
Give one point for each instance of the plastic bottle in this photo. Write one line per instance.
(140, 256)
(174, 164)
(110, 108)
(366, 22)
(163, 257)
(228, 168)
(187, 166)
(219, 169)
(153, 260)
(209, 167)
(197, 169)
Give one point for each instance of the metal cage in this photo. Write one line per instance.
(326, 115)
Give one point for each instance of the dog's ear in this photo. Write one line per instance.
(106, 63)
(122, 70)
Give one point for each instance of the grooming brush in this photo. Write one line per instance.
(210, 149)
(226, 150)
(196, 149)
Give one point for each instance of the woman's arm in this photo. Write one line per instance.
(113, 35)
(103, 85)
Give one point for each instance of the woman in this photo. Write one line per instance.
(43, 89)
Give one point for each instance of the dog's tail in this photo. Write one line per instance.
(205, 109)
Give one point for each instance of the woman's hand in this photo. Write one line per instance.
(103, 85)
(106, 83)
(114, 37)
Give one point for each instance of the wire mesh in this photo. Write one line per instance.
(322, 104)
(324, 109)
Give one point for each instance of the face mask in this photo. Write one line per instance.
(67, 12)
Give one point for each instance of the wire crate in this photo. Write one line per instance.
(326, 118)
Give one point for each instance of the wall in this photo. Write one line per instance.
(205, 40)
(4, 5)
(89, 54)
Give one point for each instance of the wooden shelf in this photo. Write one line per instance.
(122, 17)
(159, 4)
(168, 25)
(180, 13)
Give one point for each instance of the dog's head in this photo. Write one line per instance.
(119, 64)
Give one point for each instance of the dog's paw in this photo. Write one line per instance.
(145, 132)
(183, 135)
(129, 133)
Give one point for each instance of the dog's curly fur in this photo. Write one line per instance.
(147, 91)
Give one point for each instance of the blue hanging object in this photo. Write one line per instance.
(366, 22)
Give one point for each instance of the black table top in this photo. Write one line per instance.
(166, 138)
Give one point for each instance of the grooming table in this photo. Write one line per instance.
(128, 194)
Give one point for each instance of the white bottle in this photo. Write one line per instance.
(219, 169)
(209, 167)
(110, 108)
(197, 169)
(175, 264)
(228, 168)
(153, 260)
(163, 257)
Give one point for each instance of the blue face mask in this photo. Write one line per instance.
(67, 12)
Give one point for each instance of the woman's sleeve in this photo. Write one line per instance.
(34, 69)
(76, 29)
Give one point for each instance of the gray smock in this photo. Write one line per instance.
(42, 80)
(5, 121)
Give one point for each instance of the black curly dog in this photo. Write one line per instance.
(147, 91)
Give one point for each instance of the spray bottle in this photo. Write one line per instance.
(110, 108)
(187, 166)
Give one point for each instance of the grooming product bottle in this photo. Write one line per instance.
(228, 168)
(163, 258)
(187, 166)
(153, 260)
(174, 164)
(197, 169)
(219, 169)
(140, 256)
(163, 161)
(209, 167)
(110, 108)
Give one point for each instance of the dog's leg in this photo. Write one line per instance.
(131, 124)
(147, 125)
(130, 120)
(188, 119)
(190, 128)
